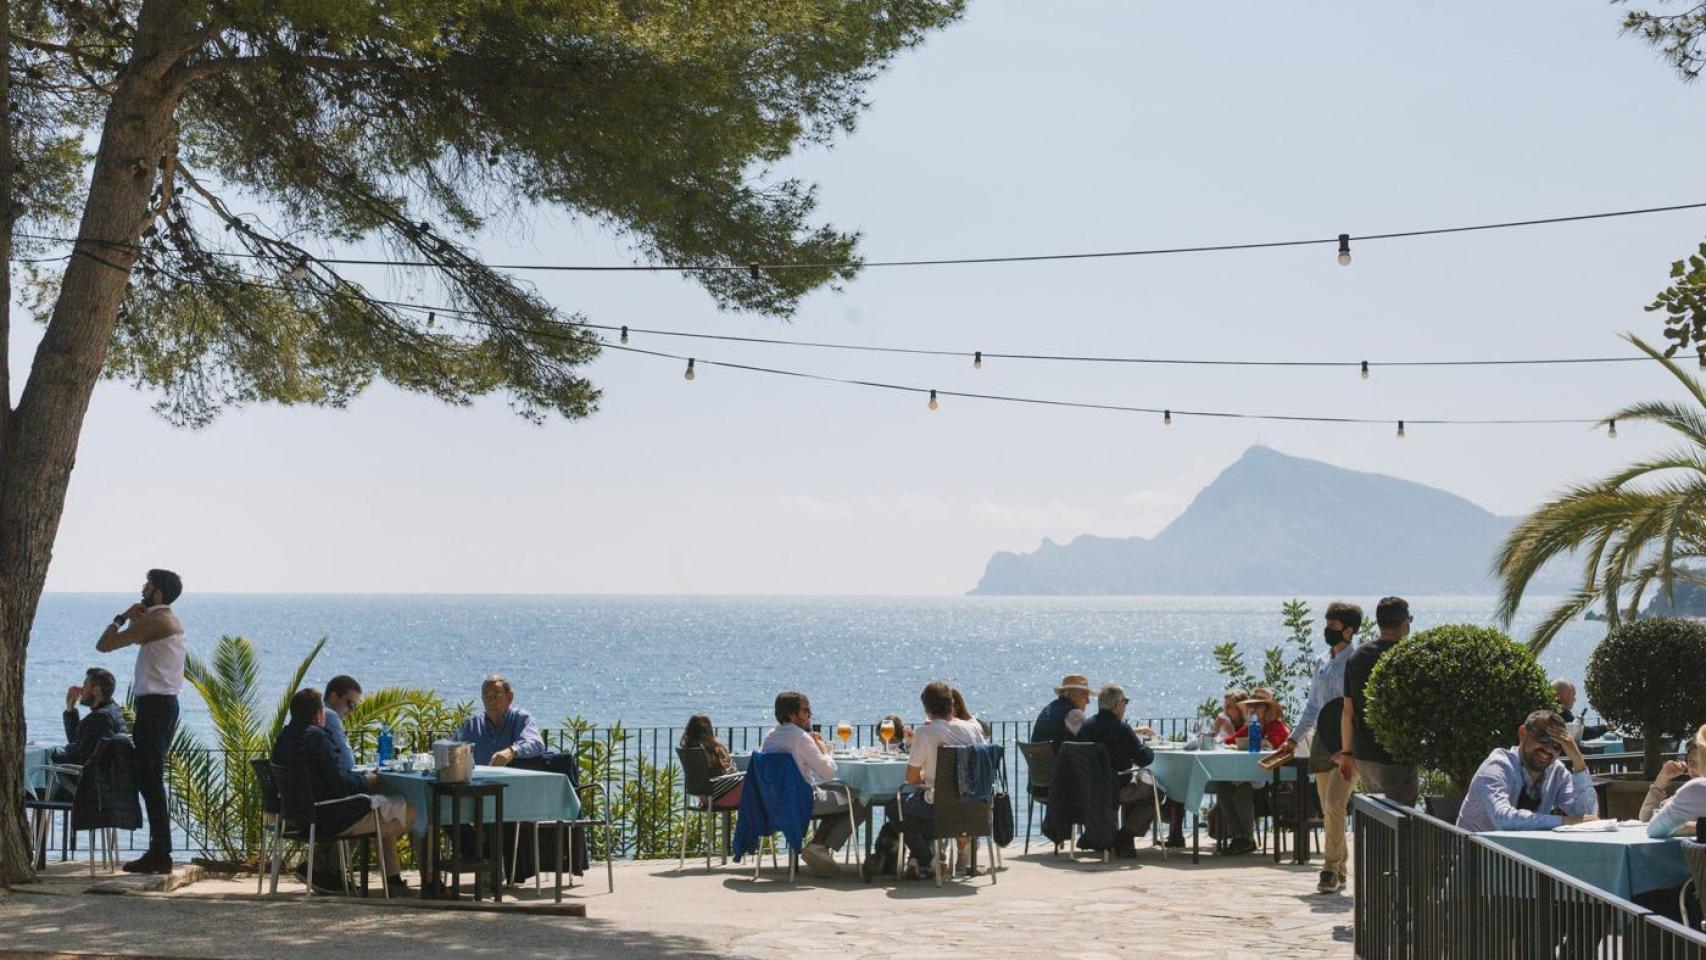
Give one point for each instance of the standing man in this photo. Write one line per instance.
(158, 635)
(1319, 728)
(342, 694)
(1073, 693)
(1362, 754)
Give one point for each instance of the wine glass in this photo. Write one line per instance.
(844, 733)
(886, 731)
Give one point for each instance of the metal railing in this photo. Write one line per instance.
(1426, 889)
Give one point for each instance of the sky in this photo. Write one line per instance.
(1025, 128)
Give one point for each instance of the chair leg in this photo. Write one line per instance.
(343, 865)
(310, 870)
(941, 855)
(609, 860)
(681, 861)
(994, 860)
(277, 854)
(262, 862)
(1030, 814)
(710, 820)
(379, 846)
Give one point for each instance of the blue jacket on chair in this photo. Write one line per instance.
(777, 797)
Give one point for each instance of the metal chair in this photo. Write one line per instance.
(1039, 770)
(46, 804)
(1695, 854)
(697, 788)
(271, 825)
(298, 810)
(1144, 776)
(103, 802)
(953, 817)
(582, 822)
(781, 765)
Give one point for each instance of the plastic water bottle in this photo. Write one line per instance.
(1254, 730)
(385, 745)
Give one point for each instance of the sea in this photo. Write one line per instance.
(655, 660)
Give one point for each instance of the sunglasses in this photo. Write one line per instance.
(1543, 737)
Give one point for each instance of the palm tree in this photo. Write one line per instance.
(214, 795)
(1630, 529)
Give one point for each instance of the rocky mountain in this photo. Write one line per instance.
(1263, 527)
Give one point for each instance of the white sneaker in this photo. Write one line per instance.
(820, 861)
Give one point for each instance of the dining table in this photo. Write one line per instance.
(1185, 774)
(1624, 861)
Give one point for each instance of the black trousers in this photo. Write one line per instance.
(156, 721)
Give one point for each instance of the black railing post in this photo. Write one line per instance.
(1470, 863)
(1541, 929)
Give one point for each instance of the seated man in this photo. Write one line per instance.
(793, 735)
(342, 695)
(1108, 728)
(941, 729)
(84, 734)
(503, 733)
(1566, 692)
(1073, 693)
(305, 745)
(1525, 788)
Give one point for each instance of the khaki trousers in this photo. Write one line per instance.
(1334, 792)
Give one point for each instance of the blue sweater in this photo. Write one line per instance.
(1491, 802)
(776, 797)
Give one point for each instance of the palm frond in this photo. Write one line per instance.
(290, 690)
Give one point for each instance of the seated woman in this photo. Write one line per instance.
(1233, 820)
(1271, 715)
(902, 737)
(1666, 818)
(726, 781)
(963, 712)
(1232, 716)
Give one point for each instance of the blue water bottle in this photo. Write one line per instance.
(1255, 731)
(385, 745)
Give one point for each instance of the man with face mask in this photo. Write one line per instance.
(158, 635)
(1525, 787)
(1318, 728)
(1362, 754)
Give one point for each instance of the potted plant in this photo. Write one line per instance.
(1446, 697)
(1646, 675)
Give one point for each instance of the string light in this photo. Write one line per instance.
(753, 269)
(1166, 418)
(1365, 369)
(431, 317)
(977, 360)
(1344, 249)
(624, 334)
(689, 374)
(933, 400)
(1611, 430)
(1400, 429)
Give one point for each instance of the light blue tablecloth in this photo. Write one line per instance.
(1625, 863)
(529, 795)
(871, 780)
(36, 756)
(1186, 774)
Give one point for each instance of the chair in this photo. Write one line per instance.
(953, 817)
(271, 824)
(581, 823)
(1083, 793)
(45, 805)
(1147, 777)
(103, 802)
(298, 810)
(696, 789)
(1039, 770)
(760, 773)
(1695, 854)
(1282, 808)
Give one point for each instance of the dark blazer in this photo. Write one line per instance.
(1124, 749)
(1082, 792)
(309, 747)
(1051, 723)
(83, 735)
(1589, 732)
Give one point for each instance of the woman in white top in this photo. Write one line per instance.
(1677, 814)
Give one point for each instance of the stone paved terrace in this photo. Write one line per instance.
(1042, 907)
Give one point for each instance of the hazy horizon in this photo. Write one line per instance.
(1023, 129)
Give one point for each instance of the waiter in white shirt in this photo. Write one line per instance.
(158, 635)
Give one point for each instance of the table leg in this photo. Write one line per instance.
(559, 890)
(498, 854)
(480, 852)
(1300, 852)
(456, 847)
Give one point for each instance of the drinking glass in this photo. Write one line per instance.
(886, 731)
(844, 733)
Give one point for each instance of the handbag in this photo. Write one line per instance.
(1001, 810)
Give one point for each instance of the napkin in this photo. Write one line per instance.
(1592, 826)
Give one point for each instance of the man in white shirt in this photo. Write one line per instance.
(941, 730)
(793, 735)
(158, 635)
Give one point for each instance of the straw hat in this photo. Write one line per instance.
(1263, 698)
(1073, 681)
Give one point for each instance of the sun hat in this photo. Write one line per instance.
(1073, 681)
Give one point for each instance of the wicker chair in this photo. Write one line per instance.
(1695, 854)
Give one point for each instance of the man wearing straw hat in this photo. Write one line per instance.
(1073, 693)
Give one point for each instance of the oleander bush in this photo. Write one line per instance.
(1650, 674)
(1446, 697)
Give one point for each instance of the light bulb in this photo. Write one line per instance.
(689, 373)
(932, 399)
(1611, 430)
(1365, 369)
(977, 360)
(431, 318)
(1166, 418)
(1344, 249)
(624, 334)
(1400, 429)
(753, 269)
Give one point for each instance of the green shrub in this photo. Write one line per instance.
(1651, 674)
(1446, 697)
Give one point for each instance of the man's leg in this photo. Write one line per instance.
(917, 820)
(831, 828)
(1334, 792)
(156, 721)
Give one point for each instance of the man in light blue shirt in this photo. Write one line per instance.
(342, 694)
(504, 733)
(1525, 787)
(1327, 695)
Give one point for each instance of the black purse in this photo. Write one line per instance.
(1001, 813)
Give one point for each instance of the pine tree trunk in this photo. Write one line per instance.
(41, 434)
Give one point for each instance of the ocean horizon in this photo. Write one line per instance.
(654, 659)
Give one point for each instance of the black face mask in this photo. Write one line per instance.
(1334, 637)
